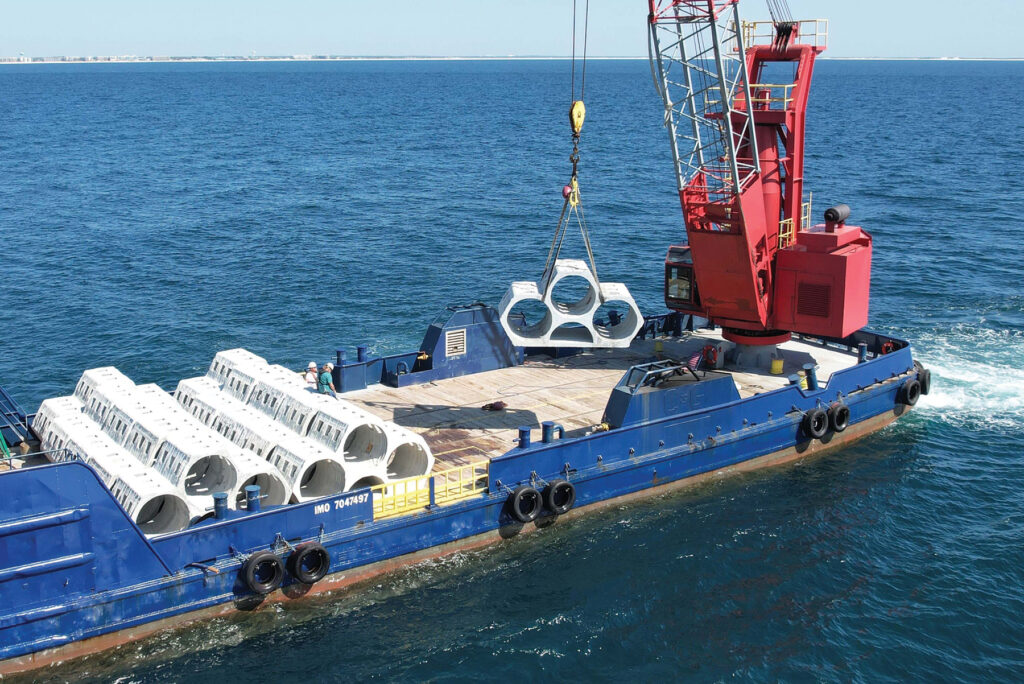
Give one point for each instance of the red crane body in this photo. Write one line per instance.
(753, 262)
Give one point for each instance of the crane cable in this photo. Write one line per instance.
(572, 207)
(785, 27)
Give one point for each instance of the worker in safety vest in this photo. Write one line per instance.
(326, 382)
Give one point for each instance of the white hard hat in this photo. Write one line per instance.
(312, 365)
(330, 366)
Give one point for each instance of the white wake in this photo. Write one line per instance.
(977, 376)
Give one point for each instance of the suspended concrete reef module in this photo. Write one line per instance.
(570, 323)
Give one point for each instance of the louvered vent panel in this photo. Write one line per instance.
(813, 300)
(455, 342)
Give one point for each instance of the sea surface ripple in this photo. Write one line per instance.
(154, 214)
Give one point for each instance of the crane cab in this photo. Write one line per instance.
(680, 281)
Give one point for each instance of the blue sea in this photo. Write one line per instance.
(153, 214)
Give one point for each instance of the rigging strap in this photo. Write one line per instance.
(572, 206)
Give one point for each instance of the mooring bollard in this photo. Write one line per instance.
(220, 505)
(252, 498)
(547, 431)
(812, 377)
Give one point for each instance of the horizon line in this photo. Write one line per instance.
(132, 59)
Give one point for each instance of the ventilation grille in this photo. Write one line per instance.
(813, 300)
(455, 342)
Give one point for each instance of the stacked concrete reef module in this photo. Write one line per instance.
(154, 503)
(147, 423)
(161, 465)
(246, 422)
(321, 444)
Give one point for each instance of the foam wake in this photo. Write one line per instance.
(978, 376)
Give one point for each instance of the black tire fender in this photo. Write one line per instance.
(560, 496)
(815, 423)
(839, 416)
(309, 563)
(262, 572)
(910, 392)
(924, 376)
(525, 503)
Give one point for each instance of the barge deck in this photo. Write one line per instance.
(572, 391)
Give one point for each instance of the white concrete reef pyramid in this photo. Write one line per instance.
(571, 324)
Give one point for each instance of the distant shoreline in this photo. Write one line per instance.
(13, 61)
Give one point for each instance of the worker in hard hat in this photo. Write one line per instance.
(311, 376)
(326, 382)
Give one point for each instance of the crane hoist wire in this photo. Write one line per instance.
(785, 27)
(572, 207)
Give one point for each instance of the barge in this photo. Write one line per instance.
(78, 575)
(507, 436)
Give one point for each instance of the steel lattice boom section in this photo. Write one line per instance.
(698, 58)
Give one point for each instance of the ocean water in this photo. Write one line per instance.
(151, 215)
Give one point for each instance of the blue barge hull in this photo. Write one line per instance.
(78, 576)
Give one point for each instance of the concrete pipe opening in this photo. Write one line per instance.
(573, 295)
(322, 478)
(162, 514)
(530, 317)
(572, 332)
(365, 442)
(272, 490)
(615, 319)
(368, 481)
(408, 460)
(210, 474)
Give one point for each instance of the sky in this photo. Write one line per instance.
(859, 28)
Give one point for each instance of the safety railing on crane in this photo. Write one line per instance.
(787, 227)
(415, 493)
(765, 95)
(808, 32)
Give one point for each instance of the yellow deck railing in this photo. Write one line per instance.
(414, 493)
(809, 32)
(787, 231)
(458, 483)
(771, 94)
